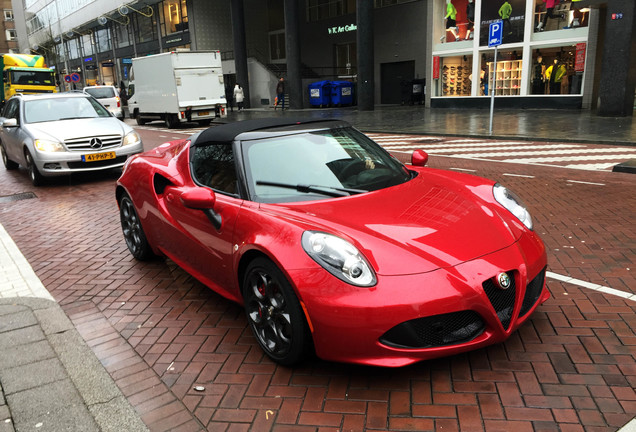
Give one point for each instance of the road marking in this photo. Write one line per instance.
(592, 286)
(464, 169)
(569, 158)
(587, 183)
(518, 175)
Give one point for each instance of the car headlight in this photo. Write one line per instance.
(513, 204)
(48, 145)
(338, 257)
(132, 138)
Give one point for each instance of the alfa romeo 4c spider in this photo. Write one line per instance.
(332, 245)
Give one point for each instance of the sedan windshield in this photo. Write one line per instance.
(53, 109)
(300, 167)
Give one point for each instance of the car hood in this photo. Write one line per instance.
(68, 129)
(434, 221)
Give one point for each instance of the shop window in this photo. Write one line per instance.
(455, 76)
(277, 46)
(557, 70)
(145, 28)
(122, 35)
(554, 15)
(173, 16)
(511, 12)
(346, 59)
(507, 76)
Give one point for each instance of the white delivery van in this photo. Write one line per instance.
(177, 87)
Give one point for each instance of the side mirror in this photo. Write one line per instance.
(419, 158)
(199, 198)
(11, 122)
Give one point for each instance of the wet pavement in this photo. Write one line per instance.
(128, 345)
(547, 125)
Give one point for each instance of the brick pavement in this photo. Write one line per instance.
(161, 334)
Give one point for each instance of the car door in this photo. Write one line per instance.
(13, 136)
(204, 236)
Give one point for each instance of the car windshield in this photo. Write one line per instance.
(101, 92)
(316, 165)
(53, 109)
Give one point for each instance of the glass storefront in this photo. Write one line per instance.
(542, 53)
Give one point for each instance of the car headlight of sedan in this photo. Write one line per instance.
(48, 145)
(338, 257)
(131, 138)
(513, 204)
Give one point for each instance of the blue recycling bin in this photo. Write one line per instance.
(320, 93)
(341, 93)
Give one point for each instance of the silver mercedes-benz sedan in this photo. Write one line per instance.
(61, 133)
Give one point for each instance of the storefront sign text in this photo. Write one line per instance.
(579, 64)
(342, 29)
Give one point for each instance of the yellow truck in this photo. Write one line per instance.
(27, 74)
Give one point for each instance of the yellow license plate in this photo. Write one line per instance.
(203, 113)
(95, 157)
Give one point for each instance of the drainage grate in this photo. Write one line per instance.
(17, 197)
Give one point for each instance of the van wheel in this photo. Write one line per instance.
(137, 117)
(171, 121)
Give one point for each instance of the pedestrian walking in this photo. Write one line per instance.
(239, 96)
(280, 94)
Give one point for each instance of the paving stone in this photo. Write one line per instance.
(32, 375)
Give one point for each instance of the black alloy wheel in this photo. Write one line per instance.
(133, 231)
(274, 313)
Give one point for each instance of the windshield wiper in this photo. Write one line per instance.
(74, 118)
(323, 190)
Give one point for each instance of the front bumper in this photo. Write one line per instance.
(379, 325)
(64, 163)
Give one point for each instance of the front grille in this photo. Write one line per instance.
(84, 143)
(503, 300)
(533, 291)
(98, 164)
(435, 331)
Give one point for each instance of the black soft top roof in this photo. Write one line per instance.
(225, 134)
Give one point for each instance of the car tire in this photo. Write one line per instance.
(171, 121)
(133, 231)
(8, 163)
(274, 313)
(36, 178)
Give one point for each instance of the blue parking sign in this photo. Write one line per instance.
(495, 33)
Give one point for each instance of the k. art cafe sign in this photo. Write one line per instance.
(341, 29)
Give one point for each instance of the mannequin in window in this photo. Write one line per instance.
(549, 13)
(538, 72)
(470, 14)
(450, 17)
(504, 12)
(554, 74)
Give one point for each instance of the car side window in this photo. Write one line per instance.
(11, 110)
(213, 166)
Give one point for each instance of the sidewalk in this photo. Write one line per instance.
(50, 380)
(538, 125)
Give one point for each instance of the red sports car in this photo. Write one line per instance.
(333, 245)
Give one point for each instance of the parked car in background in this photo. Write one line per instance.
(61, 133)
(332, 244)
(109, 97)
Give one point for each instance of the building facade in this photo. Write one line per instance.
(421, 51)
